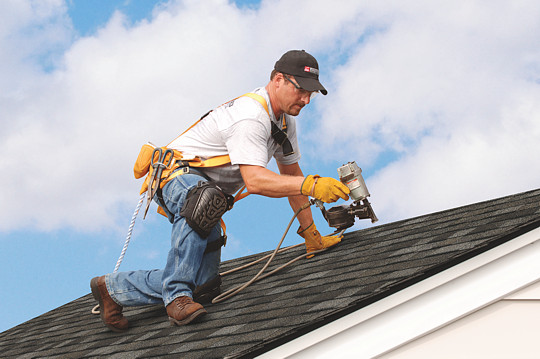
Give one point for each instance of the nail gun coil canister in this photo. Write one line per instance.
(351, 176)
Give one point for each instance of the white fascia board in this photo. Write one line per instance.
(424, 307)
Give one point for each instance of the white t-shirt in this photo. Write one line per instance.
(240, 128)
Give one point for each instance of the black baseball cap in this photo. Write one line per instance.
(303, 67)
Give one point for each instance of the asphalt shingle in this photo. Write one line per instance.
(366, 266)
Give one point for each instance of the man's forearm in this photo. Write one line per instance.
(305, 217)
(262, 181)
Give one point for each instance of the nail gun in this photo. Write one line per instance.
(342, 217)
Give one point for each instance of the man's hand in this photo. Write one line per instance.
(327, 189)
(314, 240)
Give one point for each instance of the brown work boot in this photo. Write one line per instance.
(183, 310)
(110, 312)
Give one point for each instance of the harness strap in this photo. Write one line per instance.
(182, 171)
(163, 206)
(240, 194)
(210, 162)
(259, 99)
(215, 245)
(279, 135)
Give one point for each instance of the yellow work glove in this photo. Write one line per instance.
(314, 240)
(327, 189)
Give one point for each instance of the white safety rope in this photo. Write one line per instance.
(95, 310)
(130, 230)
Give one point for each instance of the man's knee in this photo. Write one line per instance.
(204, 205)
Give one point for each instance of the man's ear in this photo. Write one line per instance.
(278, 80)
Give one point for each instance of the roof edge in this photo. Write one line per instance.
(399, 294)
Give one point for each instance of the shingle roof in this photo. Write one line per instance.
(368, 265)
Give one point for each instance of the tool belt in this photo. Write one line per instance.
(148, 162)
(143, 166)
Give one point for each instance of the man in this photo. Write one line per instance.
(250, 135)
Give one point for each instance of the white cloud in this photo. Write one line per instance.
(449, 87)
(453, 91)
(71, 135)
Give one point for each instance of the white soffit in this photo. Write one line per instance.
(424, 307)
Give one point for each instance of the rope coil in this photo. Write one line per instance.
(231, 292)
(258, 276)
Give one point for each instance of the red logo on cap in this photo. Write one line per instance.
(307, 69)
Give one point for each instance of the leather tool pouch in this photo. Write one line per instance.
(204, 206)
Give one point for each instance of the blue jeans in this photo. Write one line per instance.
(187, 264)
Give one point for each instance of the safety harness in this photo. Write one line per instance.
(162, 164)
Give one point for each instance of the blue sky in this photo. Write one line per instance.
(436, 103)
(88, 16)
